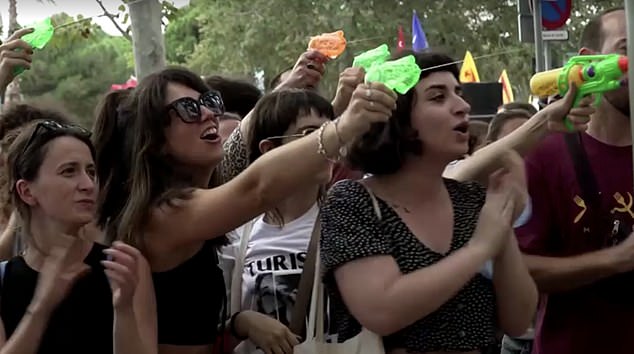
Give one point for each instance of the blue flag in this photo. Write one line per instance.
(419, 40)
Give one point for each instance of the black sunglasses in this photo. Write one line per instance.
(189, 110)
(51, 129)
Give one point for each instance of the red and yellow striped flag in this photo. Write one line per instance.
(469, 72)
(507, 89)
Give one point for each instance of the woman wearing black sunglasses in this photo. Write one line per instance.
(177, 222)
(65, 294)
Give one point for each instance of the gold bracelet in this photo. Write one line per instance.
(343, 148)
(320, 143)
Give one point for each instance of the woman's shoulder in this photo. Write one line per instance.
(347, 186)
(351, 195)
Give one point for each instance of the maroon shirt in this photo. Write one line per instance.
(341, 172)
(598, 318)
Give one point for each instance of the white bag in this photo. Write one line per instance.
(365, 342)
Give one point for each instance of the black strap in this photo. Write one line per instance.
(302, 300)
(585, 176)
(3, 267)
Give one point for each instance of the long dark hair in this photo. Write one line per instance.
(153, 178)
(112, 144)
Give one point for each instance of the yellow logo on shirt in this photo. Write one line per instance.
(623, 205)
(582, 204)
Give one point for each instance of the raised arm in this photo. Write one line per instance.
(135, 324)
(515, 290)
(516, 293)
(14, 53)
(275, 175)
(306, 73)
(486, 160)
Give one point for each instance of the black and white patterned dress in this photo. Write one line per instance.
(351, 230)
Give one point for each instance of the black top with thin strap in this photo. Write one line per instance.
(189, 299)
(82, 323)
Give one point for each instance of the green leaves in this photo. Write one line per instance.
(77, 71)
(242, 36)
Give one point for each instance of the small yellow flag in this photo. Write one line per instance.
(507, 89)
(469, 72)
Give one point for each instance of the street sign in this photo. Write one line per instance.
(561, 35)
(555, 13)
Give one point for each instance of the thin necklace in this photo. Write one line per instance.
(396, 206)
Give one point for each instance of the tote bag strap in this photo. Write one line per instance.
(238, 268)
(375, 202)
(306, 281)
(316, 303)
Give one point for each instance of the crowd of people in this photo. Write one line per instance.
(196, 213)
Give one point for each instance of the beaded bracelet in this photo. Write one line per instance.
(320, 143)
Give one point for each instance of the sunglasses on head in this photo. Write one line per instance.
(52, 128)
(190, 110)
(303, 133)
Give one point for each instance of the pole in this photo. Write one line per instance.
(629, 11)
(539, 42)
(547, 56)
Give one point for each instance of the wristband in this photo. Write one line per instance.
(232, 327)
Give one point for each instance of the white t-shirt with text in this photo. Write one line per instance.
(273, 263)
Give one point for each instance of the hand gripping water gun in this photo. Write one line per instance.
(399, 75)
(329, 44)
(592, 74)
(38, 39)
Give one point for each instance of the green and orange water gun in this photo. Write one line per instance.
(592, 74)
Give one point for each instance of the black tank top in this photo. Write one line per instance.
(82, 323)
(189, 299)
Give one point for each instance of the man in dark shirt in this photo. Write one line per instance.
(587, 303)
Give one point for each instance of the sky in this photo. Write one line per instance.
(30, 11)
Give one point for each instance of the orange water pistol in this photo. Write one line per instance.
(329, 44)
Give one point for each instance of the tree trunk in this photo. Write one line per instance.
(12, 93)
(13, 17)
(147, 36)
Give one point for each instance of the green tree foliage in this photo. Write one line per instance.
(231, 36)
(78, 67)
(240, 37)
